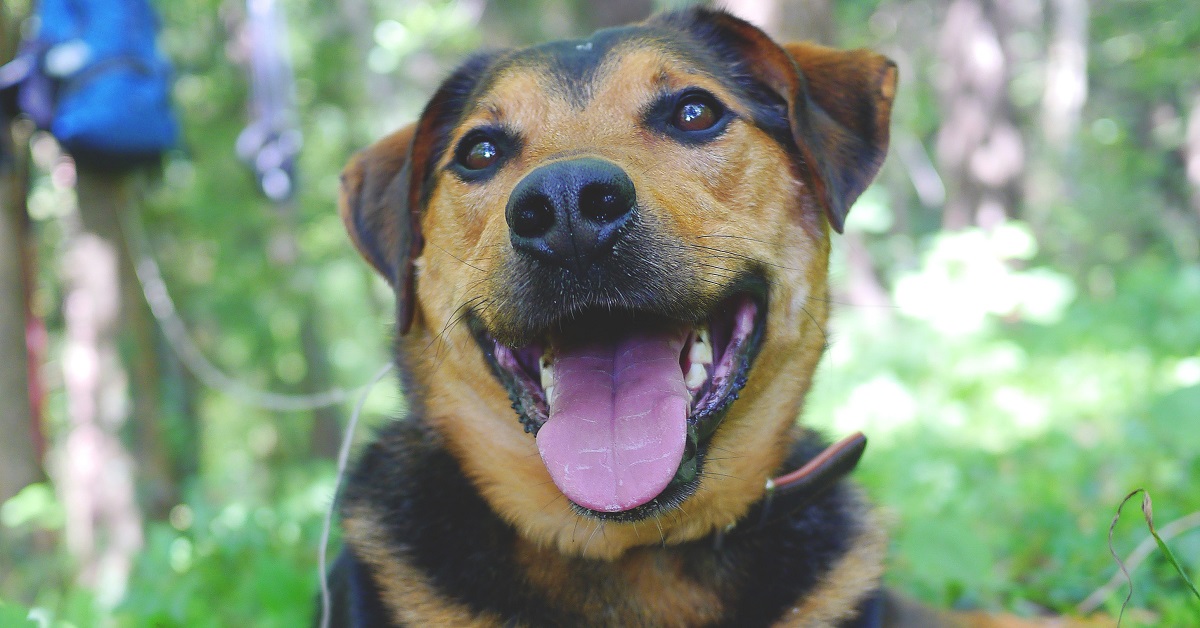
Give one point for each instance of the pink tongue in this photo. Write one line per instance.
(618, 420)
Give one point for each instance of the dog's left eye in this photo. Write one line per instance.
(698, 112)
(479, 154)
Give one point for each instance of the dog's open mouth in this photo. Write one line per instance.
(622, 404)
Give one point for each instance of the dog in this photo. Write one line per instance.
(609, 257)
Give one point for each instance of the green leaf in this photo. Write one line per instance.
(1148, 513)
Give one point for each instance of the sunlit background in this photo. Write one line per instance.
(1017, 324)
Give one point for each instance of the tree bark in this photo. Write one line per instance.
(20, 462)
(980, 149)
(1066, 72)
(1191, 152)
(789, 20)
(325, 436)
(617, 12)
(95, 472)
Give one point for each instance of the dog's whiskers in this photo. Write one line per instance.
(552, 500)
(661, 537)
(732, 237)
(599, 527)
(455, 257)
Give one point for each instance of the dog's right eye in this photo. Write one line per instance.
(697, 112)
(692, 116)
(478, 154)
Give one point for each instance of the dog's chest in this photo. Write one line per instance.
(436, 547)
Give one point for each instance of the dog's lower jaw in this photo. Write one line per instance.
(502, 461)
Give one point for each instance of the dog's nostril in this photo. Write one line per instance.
(533, 217)
(605, 202)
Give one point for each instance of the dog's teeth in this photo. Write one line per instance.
(549, 394)
(696, 376)
(547, 375)
(701, 351)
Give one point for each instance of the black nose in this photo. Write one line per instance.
(570, 213)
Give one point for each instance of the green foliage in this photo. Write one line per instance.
(1027, 378)
(15, 616)
(1001, 449)
(1148, 513)
(233, 563)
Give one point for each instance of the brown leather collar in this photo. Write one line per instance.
(818, 474)
(789, 492)
(807, 483)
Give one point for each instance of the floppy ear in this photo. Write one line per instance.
(839, 102)
(385, 187)
(374, 204)
(844, 130)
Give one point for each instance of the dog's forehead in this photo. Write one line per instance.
(572, 72)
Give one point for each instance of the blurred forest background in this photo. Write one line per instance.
(1017, 328)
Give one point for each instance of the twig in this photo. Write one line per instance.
(1179, 526)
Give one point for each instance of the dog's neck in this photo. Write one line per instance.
(793, 490)
(410, 493)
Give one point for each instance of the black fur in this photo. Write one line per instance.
(447, 531)
(433, 517)
(448, 106)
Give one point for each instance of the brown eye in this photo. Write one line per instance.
(696, 113)
(482, 154)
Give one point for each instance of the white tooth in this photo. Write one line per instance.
(547, 375)
(696, 376)
(549, 394)
(701, 351)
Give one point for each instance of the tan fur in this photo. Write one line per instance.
(851, 580)
(412, 599)
(736, 200)
(645, 587)
(713, 199)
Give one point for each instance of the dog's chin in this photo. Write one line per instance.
(622, 402)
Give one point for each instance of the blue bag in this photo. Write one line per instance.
(97, 82)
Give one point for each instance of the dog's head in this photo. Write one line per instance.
(624, 239)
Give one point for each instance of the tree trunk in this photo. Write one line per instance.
(20, 462)
(1066, 72)
(95, 472)
(790, 20)
(326, 435)
(1191, 150)
(617, 12)
(980, 149)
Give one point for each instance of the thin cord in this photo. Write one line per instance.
(342, 461)
(163, 307)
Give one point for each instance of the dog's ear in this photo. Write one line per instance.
(845, 126)
(374, 204)
(839, 102)
(372, 198)
(385, 187)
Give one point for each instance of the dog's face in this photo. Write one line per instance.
(623, 239)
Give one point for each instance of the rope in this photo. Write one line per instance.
(342, 462)
(161, 304)
(163, 308)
